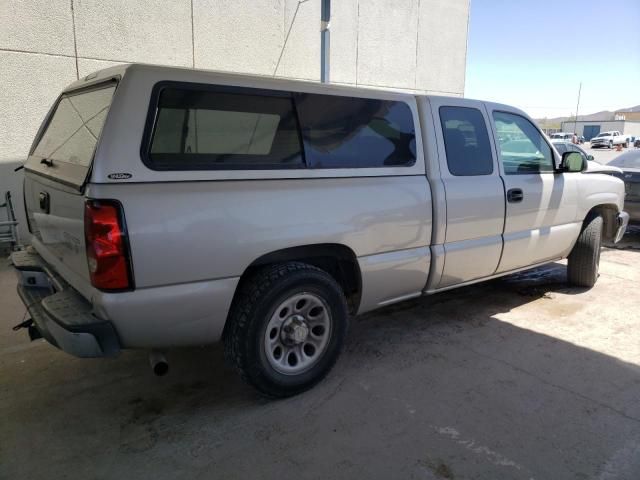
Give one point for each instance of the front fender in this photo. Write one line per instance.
(599, 190)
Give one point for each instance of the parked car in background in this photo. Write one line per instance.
(561, 136)
(609, 139)
(565, 146)
(592, 166)
(173, 207)
(629, 163)
(564, 136)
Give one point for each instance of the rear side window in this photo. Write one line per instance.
(226, 128)
(466, 141)
(351, 132)
(75, 126)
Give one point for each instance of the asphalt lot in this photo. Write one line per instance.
(603, 155)
(518, 378)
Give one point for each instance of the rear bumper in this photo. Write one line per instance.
(61, 315)
(623, 221)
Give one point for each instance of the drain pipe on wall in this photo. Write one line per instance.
(325, 18)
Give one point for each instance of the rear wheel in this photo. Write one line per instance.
(584, 259)
(286, 328)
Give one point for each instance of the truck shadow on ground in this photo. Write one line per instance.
(422, 381)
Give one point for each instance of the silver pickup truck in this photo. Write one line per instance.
(173, 207)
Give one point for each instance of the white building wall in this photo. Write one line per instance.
(632, 129)
(46, 44)
(605, 126)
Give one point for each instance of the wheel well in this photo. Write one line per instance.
(337, 260)
(608, 213)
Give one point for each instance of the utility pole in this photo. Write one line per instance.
(575, 125)
(325, 18)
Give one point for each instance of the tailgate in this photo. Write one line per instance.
(56, 218)
(55, 175)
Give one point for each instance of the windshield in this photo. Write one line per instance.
(560, 147)
(627, 160)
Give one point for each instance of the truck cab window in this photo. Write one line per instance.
(466, 141)
(353, 132)
(522, 148)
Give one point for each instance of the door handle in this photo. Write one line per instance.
(515, 195)
(44, 201)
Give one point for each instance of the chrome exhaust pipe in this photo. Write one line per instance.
(158, 363)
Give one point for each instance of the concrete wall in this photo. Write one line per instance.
(632, 129)
(46, 44)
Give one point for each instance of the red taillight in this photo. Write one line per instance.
(107, 249)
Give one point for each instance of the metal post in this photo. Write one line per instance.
(325, 18)
(575, 125)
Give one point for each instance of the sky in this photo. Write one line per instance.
(533, 54)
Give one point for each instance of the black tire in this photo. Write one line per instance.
(610, 144)
(584, 259)
(254, 306)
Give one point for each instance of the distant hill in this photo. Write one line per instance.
(603, 115)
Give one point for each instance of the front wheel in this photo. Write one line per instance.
(584, 259)
(610, 144)
(286, 329)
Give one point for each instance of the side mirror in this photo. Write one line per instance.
(573, 162)
(590, 157)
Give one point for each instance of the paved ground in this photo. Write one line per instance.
(518, 378)
(603, 155)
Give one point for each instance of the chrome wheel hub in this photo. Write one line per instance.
(294, 330)
(298, 333)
